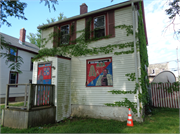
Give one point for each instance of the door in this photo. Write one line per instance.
(44, 77)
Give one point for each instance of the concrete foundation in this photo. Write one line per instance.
(17, 118)
(103, 112)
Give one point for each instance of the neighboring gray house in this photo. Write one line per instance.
(27, 51)
(155, 69)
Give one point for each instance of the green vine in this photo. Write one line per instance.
(81, 48)
(125, 103)
(169, 88)
(131, 75)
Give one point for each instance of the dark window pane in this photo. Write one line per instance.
(12, 55)
(99, 22)
(99, 27)
(13, 77)
(99, 33)
(64, 34)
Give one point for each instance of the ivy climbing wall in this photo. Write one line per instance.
(121, 65)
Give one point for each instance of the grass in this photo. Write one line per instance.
(161, 120)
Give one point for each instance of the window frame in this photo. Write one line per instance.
(97, 59)
(60, 44)
(105, 25)
(16, 54)
(16, 81)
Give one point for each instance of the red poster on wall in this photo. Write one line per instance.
(44, 77)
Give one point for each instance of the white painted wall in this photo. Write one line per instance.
(22, 78)
(61, 80)
(121, 64)
(47, 34)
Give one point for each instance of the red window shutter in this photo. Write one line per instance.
(111, 23)
(73, 32)
(56, 36)
(88, 28)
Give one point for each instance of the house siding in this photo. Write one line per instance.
(121, 64)
(61, 80)
(45, 35)
(22, 78)
(63, 89)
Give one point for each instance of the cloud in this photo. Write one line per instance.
(161, 45)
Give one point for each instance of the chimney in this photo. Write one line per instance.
(83, 8)
(22, 36)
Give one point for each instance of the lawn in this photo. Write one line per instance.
(161, 120)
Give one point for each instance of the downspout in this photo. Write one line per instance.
(135, 53)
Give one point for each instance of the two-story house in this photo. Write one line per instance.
(89, 55)
(26, 51)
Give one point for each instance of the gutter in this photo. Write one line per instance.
(135, 52)
(90, 13)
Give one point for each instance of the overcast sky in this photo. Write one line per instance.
(161, 45)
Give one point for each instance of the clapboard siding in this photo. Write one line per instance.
(121, 64)
(63, 88)
(45, 34)
(80, 26)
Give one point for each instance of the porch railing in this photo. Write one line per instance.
(36, 95)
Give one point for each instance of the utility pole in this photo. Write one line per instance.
(177, 62)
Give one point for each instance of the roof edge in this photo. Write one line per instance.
(90, 13)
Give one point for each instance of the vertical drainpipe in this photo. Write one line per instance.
(135, 52)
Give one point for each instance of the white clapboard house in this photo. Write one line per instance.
(27, 51)
(82, 82)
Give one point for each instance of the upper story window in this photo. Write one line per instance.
(64, 39)
(13, 55)
(99, 26)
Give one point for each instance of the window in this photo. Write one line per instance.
(13, 55)
(31, 65)
(153, 72)
(64, 39)
(99, 72)
(99, 26)
(13, 78)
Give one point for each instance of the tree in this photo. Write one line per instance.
(16, 8)
(36, 38)
(173, 12)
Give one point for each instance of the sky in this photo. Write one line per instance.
(161, 45)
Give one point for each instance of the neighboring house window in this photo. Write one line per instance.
(31, 66)
(99, 72)
(153, 72)
(13, 78)
(99, 26)
(64, 38)
(30, 81)
(13, 55)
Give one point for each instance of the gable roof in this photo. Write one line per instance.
(15, 42)
(122, 4)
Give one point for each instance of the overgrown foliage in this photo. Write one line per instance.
(35, 38)
(141, 45)
(15, 9)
